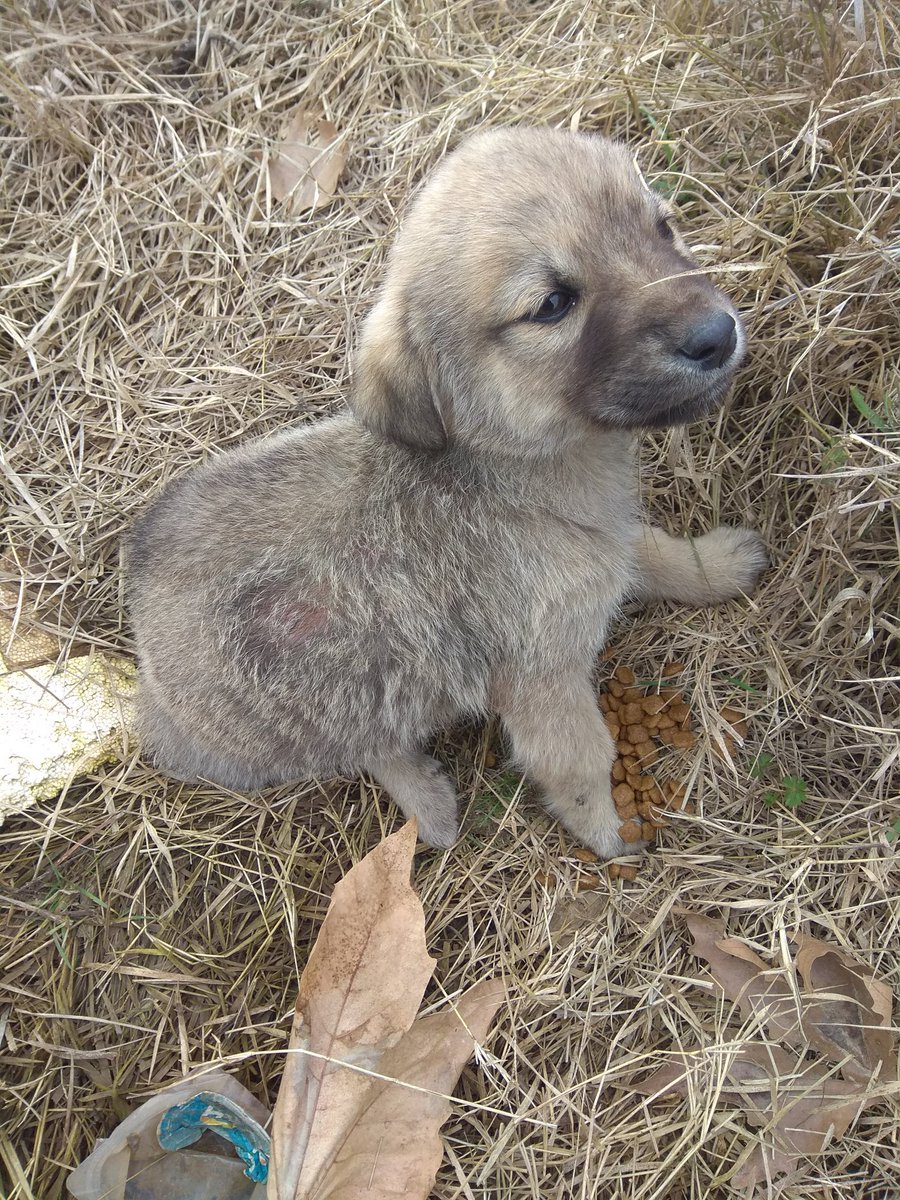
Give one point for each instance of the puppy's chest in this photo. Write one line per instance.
(576, 575)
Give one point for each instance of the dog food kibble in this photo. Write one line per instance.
(623, 794)
(631, 831)
(672, 668)
(586, 883)
(637, 724)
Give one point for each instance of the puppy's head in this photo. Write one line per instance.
(537, 287)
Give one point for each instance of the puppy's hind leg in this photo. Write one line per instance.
(717, 566)
(420, 789)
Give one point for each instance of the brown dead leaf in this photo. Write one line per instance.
(807, 1110)
(306, 163)
(747, 979)
(846, 1010)
(344, 1123)
(570, 916)
(394, 1145)
(799, 1106)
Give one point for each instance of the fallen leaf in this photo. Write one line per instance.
(800, 1107)
(306, 163)
(394, 1147)
(807, 1110)
(344, 1123)
(570, 916)
(846, 1011)
(761, 993)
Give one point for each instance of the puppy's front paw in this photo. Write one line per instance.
(733, 558)
(595, 823)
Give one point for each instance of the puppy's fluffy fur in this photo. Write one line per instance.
(321, 602)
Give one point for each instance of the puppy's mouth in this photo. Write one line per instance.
(677, 411)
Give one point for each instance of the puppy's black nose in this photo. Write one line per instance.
(711, 342)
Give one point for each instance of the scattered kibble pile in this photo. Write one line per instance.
(638, 720)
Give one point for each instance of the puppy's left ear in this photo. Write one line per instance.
(392, 392)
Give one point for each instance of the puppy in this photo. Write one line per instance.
(322, 601)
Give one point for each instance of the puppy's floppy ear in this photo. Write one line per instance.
(392, 393)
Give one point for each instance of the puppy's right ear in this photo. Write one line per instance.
(392, 393)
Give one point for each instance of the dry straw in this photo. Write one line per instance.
(157, 306)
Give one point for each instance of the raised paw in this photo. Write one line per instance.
(732, 559)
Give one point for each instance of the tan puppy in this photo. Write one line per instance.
(323, 601)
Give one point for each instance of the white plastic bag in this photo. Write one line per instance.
(131, 1165)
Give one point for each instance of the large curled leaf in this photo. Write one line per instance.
(347, 1123)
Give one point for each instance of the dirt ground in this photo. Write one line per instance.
(157, 306)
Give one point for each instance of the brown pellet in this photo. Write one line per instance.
(678, 710)
(646, 753)
(629, 762)
(683, 739)
(584, 855)
(615, 688)
(632, 695)
(586, 883)
(645, 783)
(614, 728)
(624, 675)
(622, 794)
(672, 668)
(624, 747)
(653, 704)
(604, 702)
(648, 831)
(613, 870)
(626, 811)
(618, 771)
(637, 734)
(630, 831)
(628, 871)
(632, 714)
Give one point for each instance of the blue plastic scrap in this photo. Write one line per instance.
(184, 1124)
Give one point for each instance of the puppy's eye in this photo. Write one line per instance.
(554, 307)
(664, 229)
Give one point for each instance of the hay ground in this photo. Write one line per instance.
(157, 306)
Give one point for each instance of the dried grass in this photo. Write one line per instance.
(157, 306)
